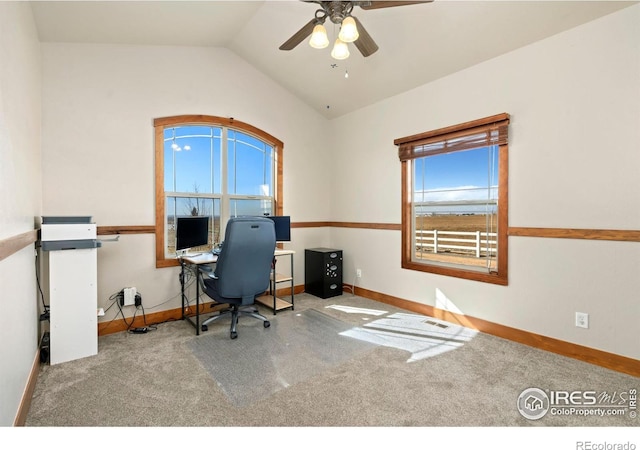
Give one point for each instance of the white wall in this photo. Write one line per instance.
(575, 106)
(20, 199)
(574, 101)
(99, 102)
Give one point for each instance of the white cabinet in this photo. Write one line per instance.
(73, 293)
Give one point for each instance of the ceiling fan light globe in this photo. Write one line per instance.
(340, 50)
(319, 37)
(348, 30)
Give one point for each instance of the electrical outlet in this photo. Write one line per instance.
(359, 273)
(129, 296)
(582, 320)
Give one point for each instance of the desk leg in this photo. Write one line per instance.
(274, 292)
(182, 287)
(275, 285)
(197, 301)
(196, 324)
(292, 282)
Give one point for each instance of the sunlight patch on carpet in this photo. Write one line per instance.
(422, 336)
(356, 310)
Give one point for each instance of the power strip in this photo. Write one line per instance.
(140, 330)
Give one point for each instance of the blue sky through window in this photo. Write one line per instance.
(467, 175)
(249, 165)
(192, 159)
(192, 164)
(471, 172)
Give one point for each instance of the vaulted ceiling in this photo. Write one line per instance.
(417, 43)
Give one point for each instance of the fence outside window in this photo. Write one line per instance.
(465, 242)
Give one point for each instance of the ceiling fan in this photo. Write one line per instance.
(351, 30)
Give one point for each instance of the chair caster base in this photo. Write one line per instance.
(204, 328)
(267, 324)
(233, 335)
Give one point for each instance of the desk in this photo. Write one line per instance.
(204, 258)
(271, 301)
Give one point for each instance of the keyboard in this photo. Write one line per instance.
(201, 258)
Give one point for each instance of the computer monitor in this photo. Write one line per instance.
(192, 231)
(283, 227)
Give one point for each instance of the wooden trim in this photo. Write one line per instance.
(577, 233)
(310, 224)
(286, 291)
(465, 274)
(14, 244)
(118, 325)
(361, 225)
(160, 264)
(368, 226)
(159, 204)
(151, 229)
(407, 216)
(564, 233)
(279, 200)
(163, 122)
(503, 215)
(127, 229)
(601, 358)
(25, 403)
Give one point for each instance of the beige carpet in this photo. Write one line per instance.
(155, 379)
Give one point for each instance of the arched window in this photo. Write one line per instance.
(213, 167)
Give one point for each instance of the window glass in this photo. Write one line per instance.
(454, 200)
(250, 165)
(189, 206)
(250, 207)
(213, 167)
(192, 159)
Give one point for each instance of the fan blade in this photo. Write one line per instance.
(365, 42)
(299, 36)
(389, 4)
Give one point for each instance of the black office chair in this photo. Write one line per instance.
(243, 269)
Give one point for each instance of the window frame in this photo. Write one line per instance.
(406, 144)
(160, 124)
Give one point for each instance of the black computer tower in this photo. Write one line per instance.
(323, 272)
